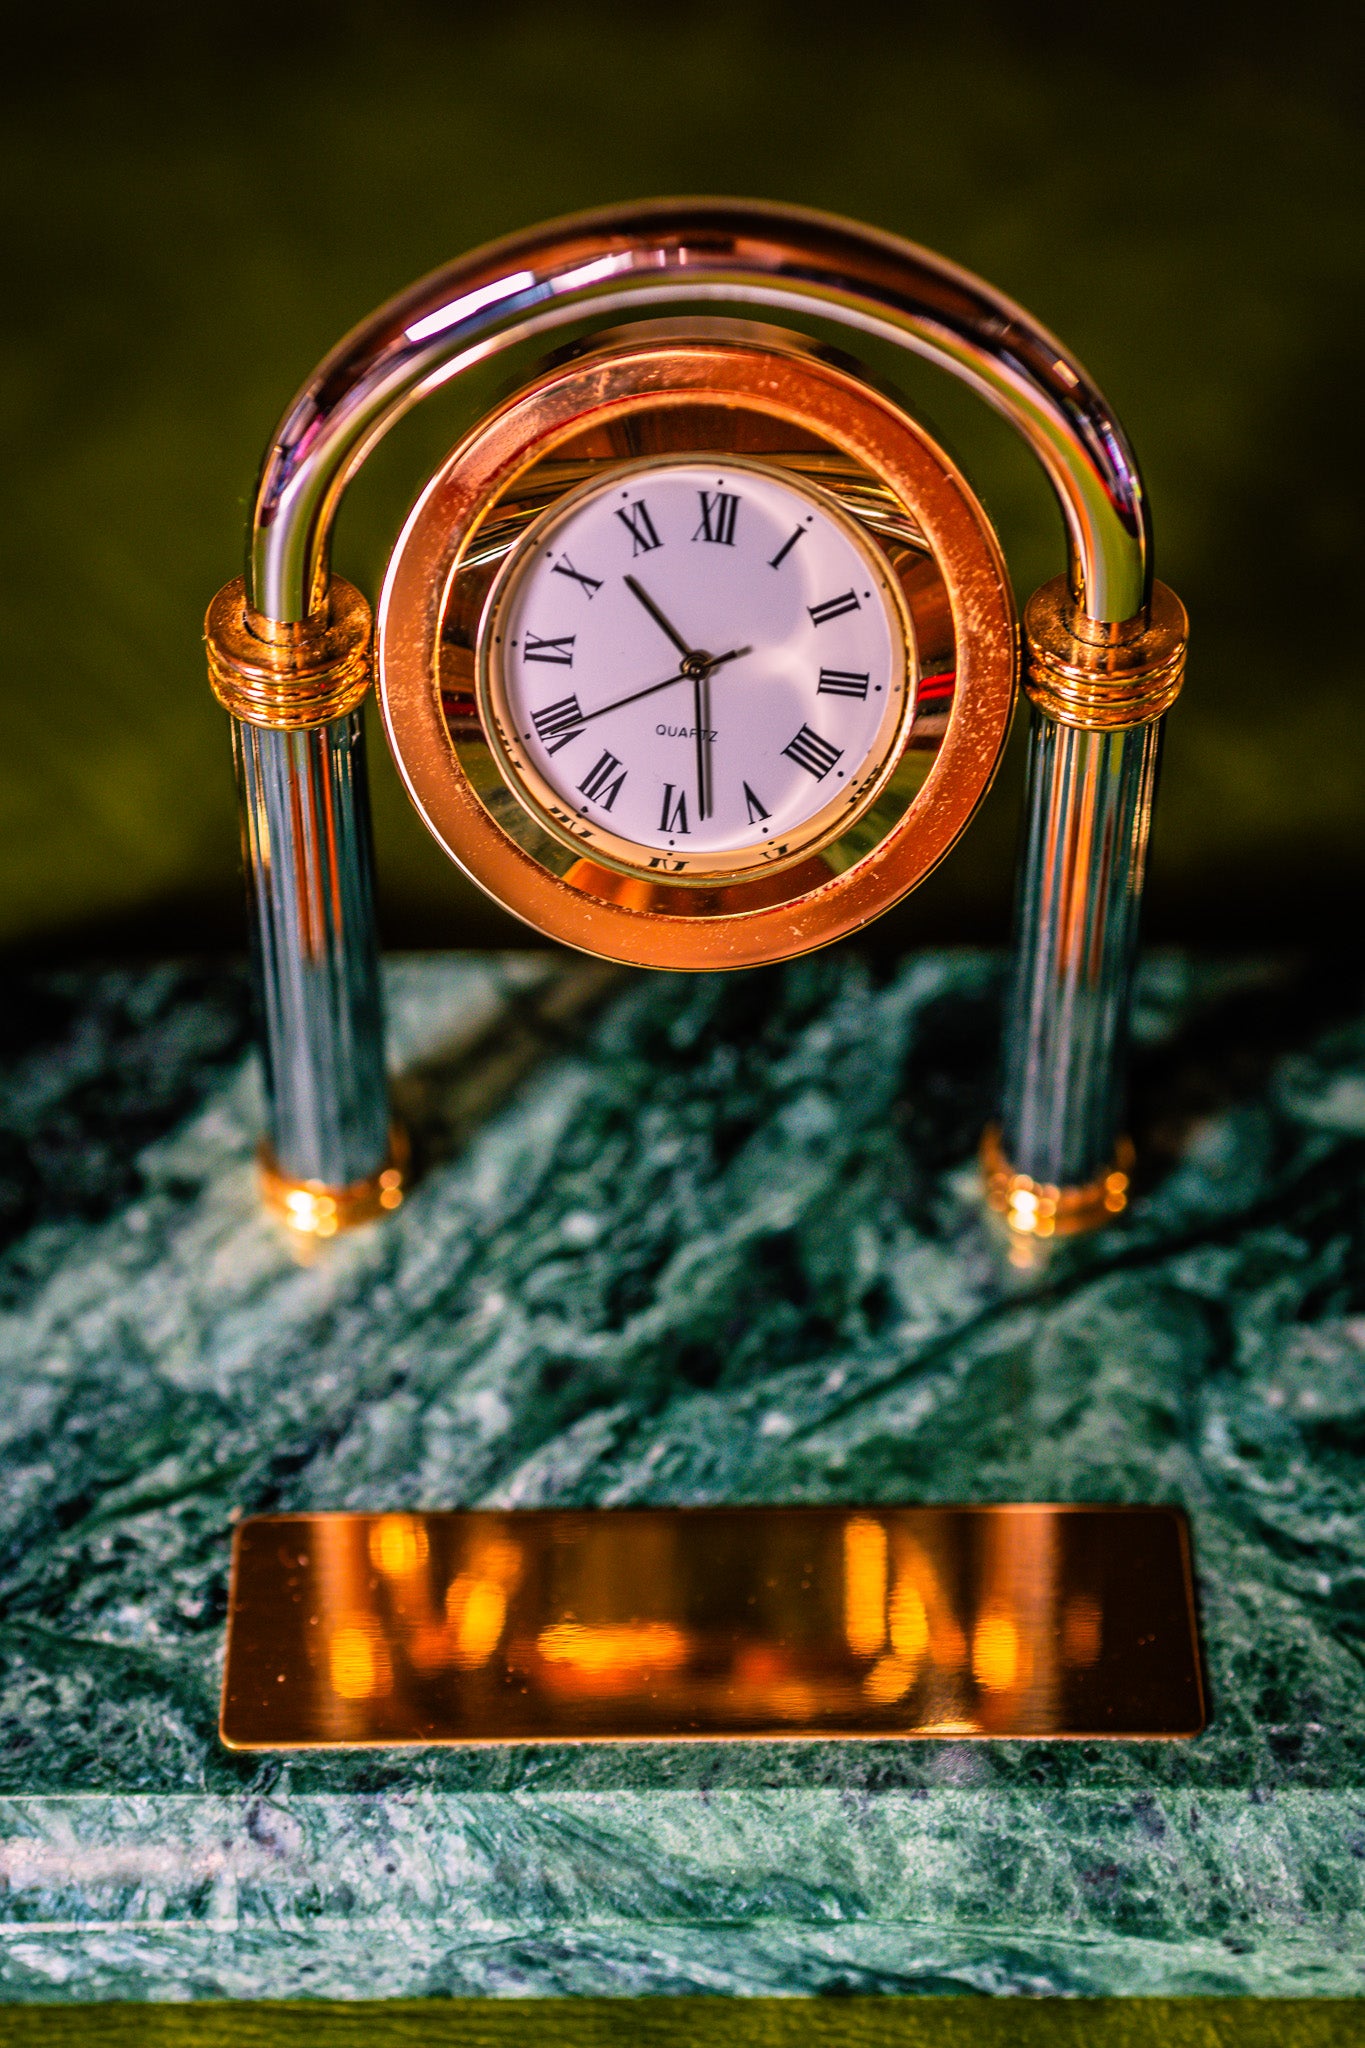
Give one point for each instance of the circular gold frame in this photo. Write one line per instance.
(947, 761)
(835, 816)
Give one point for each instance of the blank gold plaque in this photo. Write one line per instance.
(668, 1623)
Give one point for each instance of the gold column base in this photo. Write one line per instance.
(315, 1210)
(1034, 1209)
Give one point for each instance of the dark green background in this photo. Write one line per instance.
(193, 209)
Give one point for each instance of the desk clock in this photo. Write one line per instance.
(697, 652)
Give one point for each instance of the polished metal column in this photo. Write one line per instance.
(1087, 808)
(1058, 1162)
(294, 693)
(306, 855)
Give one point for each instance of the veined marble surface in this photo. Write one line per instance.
(677, 1241)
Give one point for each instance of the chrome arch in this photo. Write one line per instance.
(662, 252)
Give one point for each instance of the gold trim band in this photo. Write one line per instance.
(1103, 678)
(289, 677)
(315, 1210)
(1033, 1208)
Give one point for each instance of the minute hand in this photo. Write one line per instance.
(637, 591)
(681, 677)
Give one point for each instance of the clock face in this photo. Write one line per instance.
(696, 667)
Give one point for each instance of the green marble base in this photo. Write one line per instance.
(677, 1241)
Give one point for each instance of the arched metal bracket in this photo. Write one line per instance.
(1091, 776)
(704, 251)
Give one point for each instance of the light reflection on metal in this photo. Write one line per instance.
(1082, 1631)
(312, 1209)
(359, 1666)
(602, 1657)
(996, 1660)
(1018, 1621)
(477, 1609)
(398, 1544)
(864, 1585)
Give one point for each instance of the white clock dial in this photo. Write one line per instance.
(696, 666)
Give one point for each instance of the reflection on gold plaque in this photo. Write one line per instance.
(630, 1624)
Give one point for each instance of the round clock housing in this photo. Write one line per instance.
(698, 652)
(698, 667)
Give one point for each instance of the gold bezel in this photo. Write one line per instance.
(646, 396)
(834, 819)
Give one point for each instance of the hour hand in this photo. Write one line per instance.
(703, 665)
(637, 591)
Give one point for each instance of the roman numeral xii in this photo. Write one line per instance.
(719, 510)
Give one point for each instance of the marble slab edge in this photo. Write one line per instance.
(790, 1893)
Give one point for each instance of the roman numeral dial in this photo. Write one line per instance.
(643, 536)
(833, 607)
(812, 752)
(719, 511)
(673, 816)
(843, 682)
(738, 661)
(557, 724)
(589, 585)
(603, 782)
(797, 533)
(560, 650)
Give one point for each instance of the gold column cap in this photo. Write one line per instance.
(1103, 678)
(289, 676)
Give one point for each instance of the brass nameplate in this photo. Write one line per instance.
(635, 1623)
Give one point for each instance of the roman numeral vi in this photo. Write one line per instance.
(674, 815)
